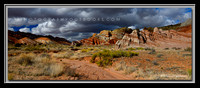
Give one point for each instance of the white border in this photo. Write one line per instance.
(6, 6)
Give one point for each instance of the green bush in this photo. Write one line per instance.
(106, 56)
(138, 48)
(189, 72)
(131, 48)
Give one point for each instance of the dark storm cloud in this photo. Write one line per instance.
(137, 17)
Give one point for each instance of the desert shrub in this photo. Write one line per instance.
(44, 58)
(123, 67)
(130, 70)
(45, 55)
(188, 49)
(54, 70)
(131, 48)
(18, 45)
(137, 48)
(71, 72)
(26, 59)
(166, 49)
(104, 62)
(153, 51)
(106, 56)
(147, 48)
(159, 55)
(120, 66)
(86, 50)
(175, 48)
(155, 62)
(186, 55)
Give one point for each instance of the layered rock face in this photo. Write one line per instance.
(157, 38)
(106, 37)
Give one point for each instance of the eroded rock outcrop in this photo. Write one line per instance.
(144, 37)
(26, 41)
(106, 37)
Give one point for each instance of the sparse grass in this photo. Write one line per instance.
(106, 56)
(123, 67)
(26, 59)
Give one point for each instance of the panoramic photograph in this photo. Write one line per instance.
(99, 43)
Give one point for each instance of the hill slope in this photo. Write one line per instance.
(28, 38)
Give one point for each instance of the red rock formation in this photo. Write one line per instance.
(27, 41)
(157, 38)
(186, 29)
(106, 37)
(43, 40)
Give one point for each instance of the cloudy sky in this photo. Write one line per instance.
(78, 23)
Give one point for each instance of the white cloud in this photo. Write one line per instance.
(11, 29)
(132, 27)
(45, 28)
(71, 25)
(25, 30)
(17, 21)
(85, 14)
(169, 22)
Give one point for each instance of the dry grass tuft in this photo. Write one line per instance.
(26, 59)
